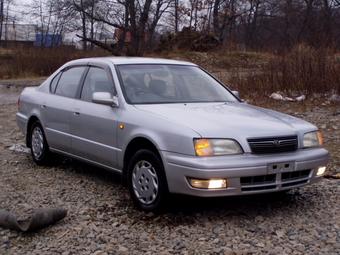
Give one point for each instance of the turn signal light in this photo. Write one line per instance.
(203, 147)
(320, 137)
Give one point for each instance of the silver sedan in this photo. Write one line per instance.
(168, 127)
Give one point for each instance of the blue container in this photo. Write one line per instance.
(48, 40)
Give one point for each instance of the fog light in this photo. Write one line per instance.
(208, 184)
(321, 171)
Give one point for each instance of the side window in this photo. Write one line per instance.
(96, 80)
(69, 81)
(54, 83)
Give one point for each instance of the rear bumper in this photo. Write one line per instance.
(279, 170)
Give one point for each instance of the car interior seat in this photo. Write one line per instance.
(158, 87)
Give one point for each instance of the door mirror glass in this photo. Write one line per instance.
(104, 98)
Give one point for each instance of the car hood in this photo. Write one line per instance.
(229, 120)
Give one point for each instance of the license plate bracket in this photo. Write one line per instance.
(274, 168)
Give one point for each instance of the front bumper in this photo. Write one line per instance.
(273, 172)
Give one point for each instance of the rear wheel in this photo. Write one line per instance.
(146, 181)
(39, 147)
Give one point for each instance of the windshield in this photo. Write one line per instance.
(154, 84)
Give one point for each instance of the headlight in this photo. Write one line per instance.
(312, 139)
(216, 147)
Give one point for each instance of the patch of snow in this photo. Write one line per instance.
(19, 148)
(288, 99)
(300, 98)
(276, 96)
(335, 97)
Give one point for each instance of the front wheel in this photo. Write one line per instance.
(39, 147)
(146, 181)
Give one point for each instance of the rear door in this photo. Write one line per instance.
(57, 107)
(94, 125)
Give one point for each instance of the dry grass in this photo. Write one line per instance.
(302, 70)
(221, 60)
(30, 62)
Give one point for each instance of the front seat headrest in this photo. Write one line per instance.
(157, 87)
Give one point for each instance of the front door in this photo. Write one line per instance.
(93, 125)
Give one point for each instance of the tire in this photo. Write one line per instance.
(146, 181)
(39, 148)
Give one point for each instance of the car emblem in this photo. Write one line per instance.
(276, 143)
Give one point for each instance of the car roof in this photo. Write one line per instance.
(132, 60)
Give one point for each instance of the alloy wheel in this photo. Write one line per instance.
(37, 142)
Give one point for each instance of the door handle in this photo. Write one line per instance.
(43, 106)
(76, 113)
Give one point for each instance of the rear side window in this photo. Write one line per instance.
(97, 80)
(54, 83)
(69, 81)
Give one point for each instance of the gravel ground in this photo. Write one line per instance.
(102, 220)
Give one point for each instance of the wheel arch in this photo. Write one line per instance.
(30, 122)
(133, 146)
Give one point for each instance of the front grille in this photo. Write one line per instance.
(260, 179)
(274, 181)
(291, 184)
(259, 188)
(259, 182)
(296, 175)
(273, 144)
(290, 179)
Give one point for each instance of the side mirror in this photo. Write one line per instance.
(105, 98)
(236, 93)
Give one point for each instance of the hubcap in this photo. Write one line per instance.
(145, 182)
(37, 142)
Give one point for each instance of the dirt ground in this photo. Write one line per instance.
(102, 220)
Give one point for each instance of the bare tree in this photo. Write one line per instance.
(224, 15)
(131, 25)
(1, 17)
(131, 17)
(176, 6)
(157, 11)
(52, 18)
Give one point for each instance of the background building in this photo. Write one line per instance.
(18, 34)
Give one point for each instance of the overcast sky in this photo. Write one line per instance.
(18, 9)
